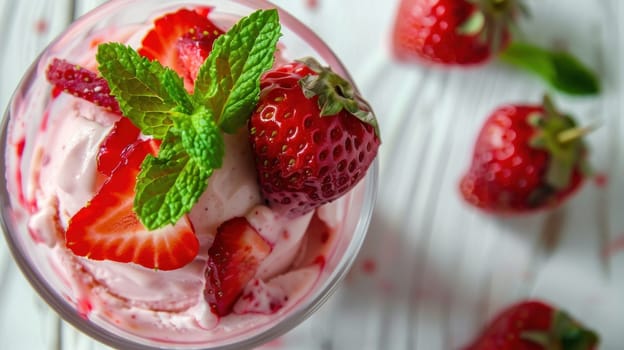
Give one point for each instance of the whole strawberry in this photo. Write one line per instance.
(526, 157)
(452, 32)
(313, 137)
(534, 325)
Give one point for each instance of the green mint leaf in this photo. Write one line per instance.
(202, 139)
(228, 82)
(168, 186)
(148, 93)
(174, 85)
(560, 70)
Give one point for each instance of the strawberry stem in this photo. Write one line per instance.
(546, 340)
(559, 135)
(564, 333)
(490, 21)
(473, 25)
(573, 134)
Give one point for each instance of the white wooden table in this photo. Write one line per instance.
(432, 269)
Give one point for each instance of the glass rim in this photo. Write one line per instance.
(307, 307)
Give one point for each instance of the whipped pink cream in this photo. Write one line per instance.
(169, 305)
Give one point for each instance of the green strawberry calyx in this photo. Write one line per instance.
(335, 93)
(559, 135)
(565, 333)
(490, 20)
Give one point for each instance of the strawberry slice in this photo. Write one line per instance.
(193, 49)
(82, 83)
(233, 259)
(108, 229)
(122, 135)
(160, 42)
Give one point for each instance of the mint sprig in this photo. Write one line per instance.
(190, 126)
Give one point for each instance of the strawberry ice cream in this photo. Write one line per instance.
(253, 265)
(161, 304)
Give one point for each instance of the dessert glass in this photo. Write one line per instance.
(21, 125)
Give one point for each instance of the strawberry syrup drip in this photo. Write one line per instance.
(41, 26)
(312, 4)
(286, 235)
(320, 260)
(44, 121)
(369, 266)
(325, 237)
(56, 91)
(601, 180)
(84, 307)
(96, 41)
(31, 207)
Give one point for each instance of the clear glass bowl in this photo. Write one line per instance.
(21, 127)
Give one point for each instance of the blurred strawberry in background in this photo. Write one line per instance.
(526, 157)
(473, 32)
(453, 32)
(534, 325)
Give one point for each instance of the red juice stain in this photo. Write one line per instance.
(275, 343)
(601, 180)
(286, 234)
(21, 197)
(84, 307)
(312, 4)
(320, 260)
(44, 120)
(614, 247)
(248, 296)
(96, 42)
(56, 91)
(369, 266)
(41, 26)
(324, 237)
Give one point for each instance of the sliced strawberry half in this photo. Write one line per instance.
(81, 82)
(122, 135)
(160, 43)
(193, 49)
(236, 253)
(108, 229)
